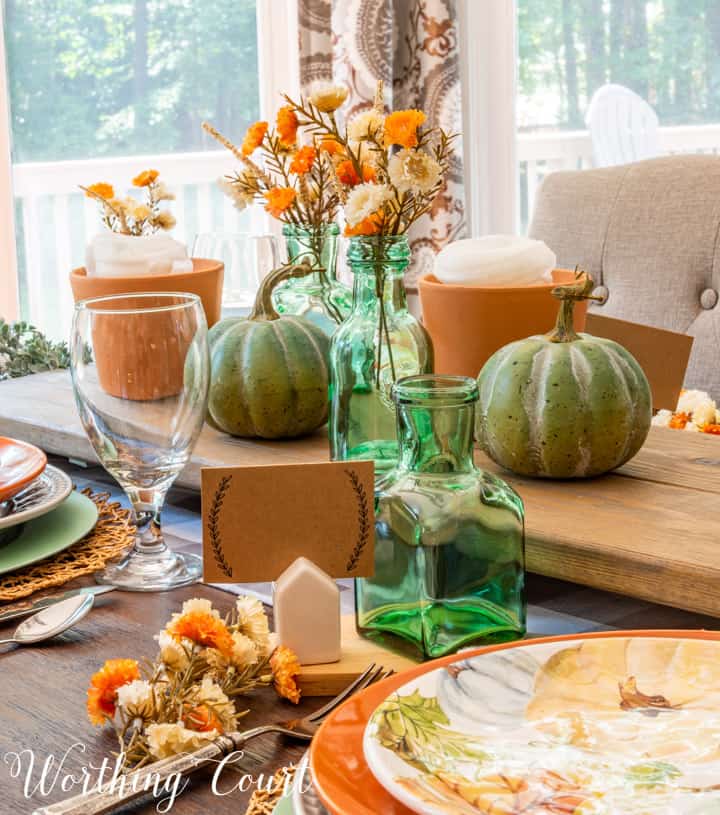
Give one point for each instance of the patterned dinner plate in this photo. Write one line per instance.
(42, 495)
(20, 463)
(627, 713)
(587, 726)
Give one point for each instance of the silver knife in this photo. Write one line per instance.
(24, 608)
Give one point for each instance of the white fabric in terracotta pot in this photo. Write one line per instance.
(495, 260)
(111, 254)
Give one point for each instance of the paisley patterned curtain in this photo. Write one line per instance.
(412, 45)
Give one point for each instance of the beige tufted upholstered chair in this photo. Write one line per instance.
(648, 233)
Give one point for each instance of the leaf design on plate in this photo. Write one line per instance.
(417, 730)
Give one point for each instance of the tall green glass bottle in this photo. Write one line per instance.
(449, 538)
(319, 297)
(380, 342)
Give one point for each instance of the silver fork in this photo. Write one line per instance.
(152, 777)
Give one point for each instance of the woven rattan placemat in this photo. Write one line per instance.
(113, 534)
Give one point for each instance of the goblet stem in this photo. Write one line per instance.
(151, 565)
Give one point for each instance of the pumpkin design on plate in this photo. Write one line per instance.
(653, 698)
(563, 405)
(269, 374)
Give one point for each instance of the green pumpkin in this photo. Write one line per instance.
(563, 405)
(268, 374)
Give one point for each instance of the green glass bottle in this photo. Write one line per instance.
(449, 538)
(320, 296)
(380, 342)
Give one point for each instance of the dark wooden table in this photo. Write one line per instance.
(42, 690)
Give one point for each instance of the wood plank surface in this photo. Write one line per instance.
(42, 707)
(650, 530)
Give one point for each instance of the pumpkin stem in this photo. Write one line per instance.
(264, 308)
(568, 295)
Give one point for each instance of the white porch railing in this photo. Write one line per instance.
(543, 153)
(56, 220)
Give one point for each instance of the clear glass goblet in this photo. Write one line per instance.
(140, 371)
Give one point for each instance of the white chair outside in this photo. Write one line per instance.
(623, 127)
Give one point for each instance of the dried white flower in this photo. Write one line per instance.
(662, 418)
(239, 197)
(704, 413)
(210, 694)
(196, 604)
(159, 192)
(691, 400)
(173, 654)
(253, 622)
(366, 125)
(166, 740)
(414, 170)
(136, 699)
(327, 97)
(245, 650)
(364, 200)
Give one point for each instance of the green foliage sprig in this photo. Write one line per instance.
(26, 350)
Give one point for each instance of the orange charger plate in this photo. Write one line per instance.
(20, 463)
(341, 775)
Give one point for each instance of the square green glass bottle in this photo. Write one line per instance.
(449, 538)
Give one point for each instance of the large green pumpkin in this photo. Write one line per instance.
(563, 405)
(269, 374)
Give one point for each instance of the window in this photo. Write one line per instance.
(665, 51)
(99, 91)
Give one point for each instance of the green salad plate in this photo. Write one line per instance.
(49, 534)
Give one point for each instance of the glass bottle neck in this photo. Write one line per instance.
(370, 289)
(436, 439)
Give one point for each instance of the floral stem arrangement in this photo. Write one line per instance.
(189, 694)
(388, 171)
(128, 216)
(25, 350)
(296, 183)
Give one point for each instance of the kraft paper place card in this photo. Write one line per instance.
(257, 520)
(662, 354)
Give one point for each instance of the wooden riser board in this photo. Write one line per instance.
(650, 530)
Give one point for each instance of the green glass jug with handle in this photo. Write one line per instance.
(380, 342)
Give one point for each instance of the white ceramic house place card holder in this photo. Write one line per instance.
(306, 605)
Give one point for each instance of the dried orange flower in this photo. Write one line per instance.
(679, 420)
(287, 125)
(145, 178)
(253, 137)
(303, 160)
(347, 174)
(202, 719)
(204, 629)
(102, 693)
(102, 190)
(331, 147)
(401, 127)
(713, 429)
(285, 668)
(371, 225)
(278, 200)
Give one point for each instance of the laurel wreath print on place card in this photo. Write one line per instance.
(364, 523)
(258, 519)
(214, 526)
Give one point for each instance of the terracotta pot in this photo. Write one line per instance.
(205, 280)
(141, 355)
(143, 359)
(468, 324)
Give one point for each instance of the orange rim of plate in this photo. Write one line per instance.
(30, 463)
(340, 773)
